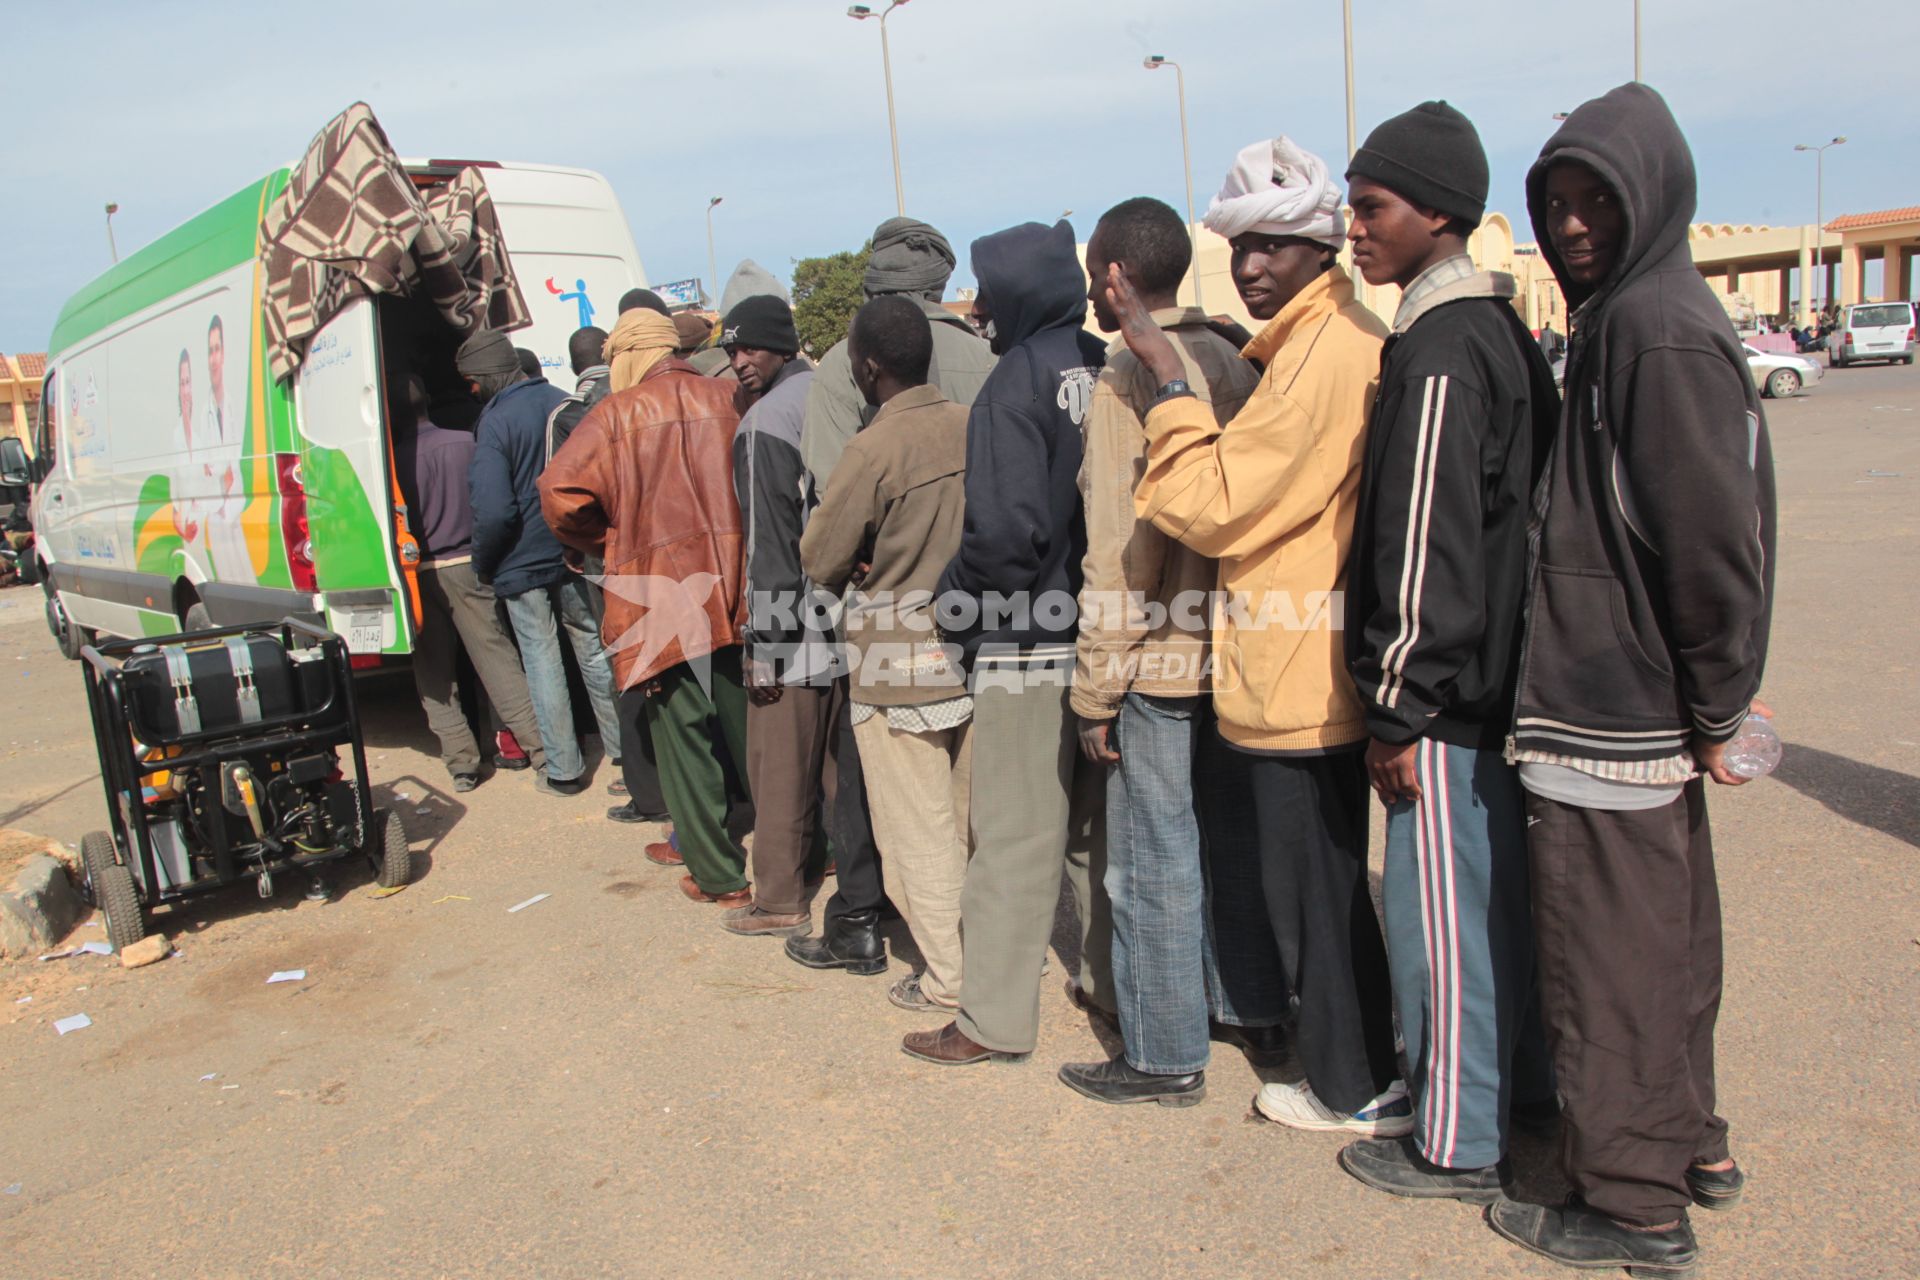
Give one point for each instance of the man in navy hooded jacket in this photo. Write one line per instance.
(1008, 602)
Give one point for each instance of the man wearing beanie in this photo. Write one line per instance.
(790, 660)
(909, 259)
(1461, 426)
(1650, 605)
(1271, 496)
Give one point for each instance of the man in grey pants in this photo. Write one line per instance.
(1008, 599)
(455, 608)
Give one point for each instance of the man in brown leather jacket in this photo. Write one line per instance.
(647, 481)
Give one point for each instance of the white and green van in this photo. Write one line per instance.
(178, 484)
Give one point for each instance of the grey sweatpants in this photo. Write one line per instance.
(457, 609)
(1460, 949)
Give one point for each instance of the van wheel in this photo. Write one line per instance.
(1782, 383)
(111, 887)
(70, 636)
(198, 619)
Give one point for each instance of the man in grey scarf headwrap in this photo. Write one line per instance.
(912, 259)
(489, 362)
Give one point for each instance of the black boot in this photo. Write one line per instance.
(851, 942)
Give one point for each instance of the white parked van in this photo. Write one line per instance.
(179, 484)
(1872, 331)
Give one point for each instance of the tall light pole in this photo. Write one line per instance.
(1636, 41)
(1819, 213)
(1353, 138)
(112, 248)
(859, 12)
(1154, 63)
(713, 272)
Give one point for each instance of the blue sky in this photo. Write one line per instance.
(1009, 109)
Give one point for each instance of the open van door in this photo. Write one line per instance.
(349, 519)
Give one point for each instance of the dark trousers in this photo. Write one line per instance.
(637, 765)
(786, 770)
(1626, 914)
(1312, 814)
(856, 858)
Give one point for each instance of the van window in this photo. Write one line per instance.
(1881, 316)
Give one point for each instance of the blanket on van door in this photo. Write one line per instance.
(351, 222)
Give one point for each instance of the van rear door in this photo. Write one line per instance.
(345, 489)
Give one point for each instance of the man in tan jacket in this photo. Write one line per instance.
(1139, 686)
(896, 506)
(1272, 497)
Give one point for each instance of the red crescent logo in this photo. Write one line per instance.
(552, 287)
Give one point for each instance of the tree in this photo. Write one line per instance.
(826, 293)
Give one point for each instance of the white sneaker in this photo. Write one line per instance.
(1388, 1116)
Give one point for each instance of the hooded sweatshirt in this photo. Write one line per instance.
(1012, 585)
(1652, 577)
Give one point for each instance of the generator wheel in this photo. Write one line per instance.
(388, 851)
(112, 889)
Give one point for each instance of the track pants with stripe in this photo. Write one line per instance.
(1460, 947)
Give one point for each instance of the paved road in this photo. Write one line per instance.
(606, 1084)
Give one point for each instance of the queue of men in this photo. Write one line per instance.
(954, 614)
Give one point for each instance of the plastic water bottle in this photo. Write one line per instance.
(1755, 751)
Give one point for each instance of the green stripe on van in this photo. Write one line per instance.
(222, 237)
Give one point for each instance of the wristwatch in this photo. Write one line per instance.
(1171, 391)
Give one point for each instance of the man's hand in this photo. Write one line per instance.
(1390, 769)
(1147, 341)
(1712, 759)
(1094, 743)
(763, 688)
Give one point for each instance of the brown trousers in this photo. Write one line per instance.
(787, 769)
(1627, 916)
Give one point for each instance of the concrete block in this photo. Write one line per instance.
(39, 908)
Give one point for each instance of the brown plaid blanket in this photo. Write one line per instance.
(350, 222)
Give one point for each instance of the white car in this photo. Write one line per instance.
(1778, 374)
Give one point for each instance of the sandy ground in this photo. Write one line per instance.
(607, 1084)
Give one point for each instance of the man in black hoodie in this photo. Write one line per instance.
(1649, 604)
(1008, 599)
(1435, 589)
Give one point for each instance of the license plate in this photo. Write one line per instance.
(366, 633)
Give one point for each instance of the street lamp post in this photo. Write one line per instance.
(713, 272)
(1154, 63)
(112, 248)
(1353, 138)
(860, 12)
(1819, 213)
(1636, 41)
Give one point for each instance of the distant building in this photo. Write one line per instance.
(20, 378)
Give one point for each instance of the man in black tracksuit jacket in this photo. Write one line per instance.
(1650, 600)
(1436, 586)
(1008, 601)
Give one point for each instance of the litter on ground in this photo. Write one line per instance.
(288, 975)
(538, 897)
(75, 1023)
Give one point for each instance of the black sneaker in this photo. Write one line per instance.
(1577, 1236)
(1264, 1046)
(1117, 1081)
(1394, 1165)
(560, 786)
(630, 812)
(1716, 1188)
(465, 782)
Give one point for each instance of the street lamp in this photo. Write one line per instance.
(860, 12)
(1819, 213)
(112, 248)
(1353, 138)
(1154, 63)
(1636, 42)
(713, 273)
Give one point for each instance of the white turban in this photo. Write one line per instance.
(1277, 189)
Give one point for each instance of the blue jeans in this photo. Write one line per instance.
(533, 614)
(1163, 969)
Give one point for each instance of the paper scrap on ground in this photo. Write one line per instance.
(387, 892)
(13, 1188)
(538, 897)
(452, 897)
(24, 1000)
(75, 1023)
(84, 949)
(288, 975)
(211, 1075)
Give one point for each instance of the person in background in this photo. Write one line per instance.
(530, 366)
(586, 352)
(1650, 604)
(647, 481)
(1008, 598)
(1271, 496)
(897, 508)
(430, 466)
(910, 259)
(694, 330)
(1552, 344)
(1139, 693)
(1436, 585)
(516, 554)
(790, 661)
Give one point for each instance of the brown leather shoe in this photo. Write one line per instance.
(752, 922)
(664, 854)
(738, 898)
(950, 1047)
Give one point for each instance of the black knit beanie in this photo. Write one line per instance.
(1432, 157)
(764, 322)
